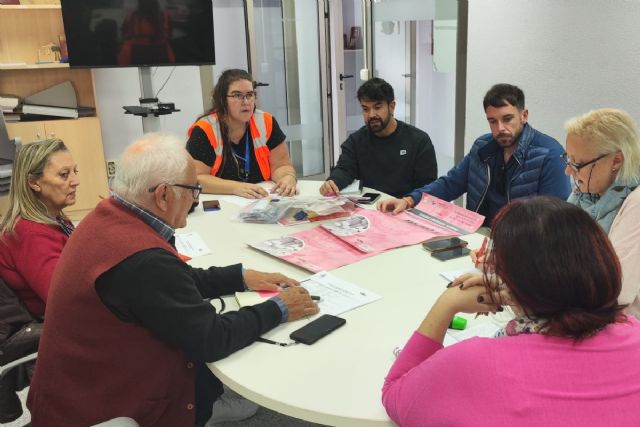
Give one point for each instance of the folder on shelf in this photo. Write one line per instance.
(8, 103)
(60, 95)
(45, 110)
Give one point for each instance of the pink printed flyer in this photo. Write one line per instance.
(374, 231)
(314, 250)
(432, 211)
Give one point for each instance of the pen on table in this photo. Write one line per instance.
(313, 297)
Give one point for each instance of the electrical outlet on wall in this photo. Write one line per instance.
(111, 168)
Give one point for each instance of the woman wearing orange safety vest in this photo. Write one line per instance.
(235, 146)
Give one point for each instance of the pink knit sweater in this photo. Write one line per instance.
(524, 380)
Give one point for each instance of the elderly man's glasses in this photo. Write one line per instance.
(577, 166)
(195, 189)
(237, 96)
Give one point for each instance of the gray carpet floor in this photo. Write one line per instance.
(263, 418)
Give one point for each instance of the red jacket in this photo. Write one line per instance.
(92, 366)
(27, 260)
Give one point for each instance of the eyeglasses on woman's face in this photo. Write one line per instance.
(575, 167)
(239, 96)
(195, 189)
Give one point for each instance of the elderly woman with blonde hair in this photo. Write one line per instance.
(603, 158)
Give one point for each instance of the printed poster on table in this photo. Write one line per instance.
(314, 250)
(373, 231)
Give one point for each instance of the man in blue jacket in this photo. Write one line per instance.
(512, 161)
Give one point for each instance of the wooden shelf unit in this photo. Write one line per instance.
(23, 29)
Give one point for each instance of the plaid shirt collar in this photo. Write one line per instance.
(161, 227)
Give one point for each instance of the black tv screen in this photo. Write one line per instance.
(135, 33)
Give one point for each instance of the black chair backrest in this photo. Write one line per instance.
(13, 314)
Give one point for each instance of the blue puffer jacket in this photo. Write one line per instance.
(540, 170)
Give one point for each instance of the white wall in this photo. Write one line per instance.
(569, 56)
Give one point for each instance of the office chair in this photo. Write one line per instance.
(19, 338)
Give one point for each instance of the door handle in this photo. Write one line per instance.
(258, 84)
(407, 75)
(345, 76)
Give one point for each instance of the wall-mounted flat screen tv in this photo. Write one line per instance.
(136, 33)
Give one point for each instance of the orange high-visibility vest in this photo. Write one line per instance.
(260, 127)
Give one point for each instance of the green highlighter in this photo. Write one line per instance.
(458, 323)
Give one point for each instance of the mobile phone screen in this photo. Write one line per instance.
(444, 244)
(451, 254)
(370, 198)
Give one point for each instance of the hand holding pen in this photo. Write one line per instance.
(479, 256)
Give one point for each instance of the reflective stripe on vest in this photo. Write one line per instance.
(260, 128)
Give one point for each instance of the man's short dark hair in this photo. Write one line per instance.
(503, 94)
(376, 89)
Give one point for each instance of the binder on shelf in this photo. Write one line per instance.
(8, 103)
(45, 110)
(60, 95)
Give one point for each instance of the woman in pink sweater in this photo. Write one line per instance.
(34, 229)
(569, 358)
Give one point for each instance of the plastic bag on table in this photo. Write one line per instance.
(310, 209)
(265, 211)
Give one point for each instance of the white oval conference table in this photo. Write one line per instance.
(338, 380)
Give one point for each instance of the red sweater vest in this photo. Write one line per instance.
(92, 366)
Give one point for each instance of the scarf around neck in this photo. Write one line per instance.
(603, 208)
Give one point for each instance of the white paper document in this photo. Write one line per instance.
(337, 296)
(191, 244)
(353, 188)
(236, 200)
(484, 329)
(451, 275)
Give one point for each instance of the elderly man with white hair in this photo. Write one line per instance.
(128, 329)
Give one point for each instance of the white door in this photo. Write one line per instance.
(288, 59)
(412, 45)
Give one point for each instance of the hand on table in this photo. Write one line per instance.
(329, 188)
(395, 206)
(250, 191)
(286, 186)
(260, 281)
(299, 303)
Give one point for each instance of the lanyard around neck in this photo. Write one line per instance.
(247, 155)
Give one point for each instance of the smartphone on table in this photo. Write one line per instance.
(211, 205)
(316, 329)
(451, 253)
(444, 244)
(368, 198)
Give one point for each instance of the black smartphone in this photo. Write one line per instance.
(450, 254)
(444, 244)
(368, 198)
(316, 329)
(211, 205)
